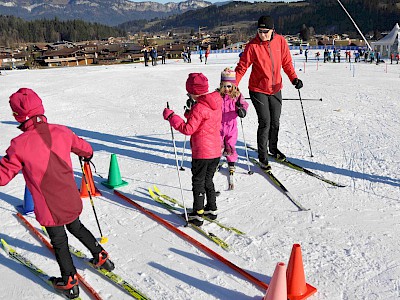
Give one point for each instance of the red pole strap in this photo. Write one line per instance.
(262, 285)
(87, 286)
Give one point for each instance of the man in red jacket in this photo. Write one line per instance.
(42, 152)
(268, 52)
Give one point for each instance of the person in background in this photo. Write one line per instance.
(201, 54)
(189, 54)
(233, 105)
(145, 56)
(203, 124)
(163, 56)
(153, 54)
(207, 54)
(42, 153)
(267, 53)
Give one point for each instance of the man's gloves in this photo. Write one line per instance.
(240, 110)
(167, 113)
(298, 84)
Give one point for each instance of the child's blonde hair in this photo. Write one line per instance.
(228, 76)
(233, 92)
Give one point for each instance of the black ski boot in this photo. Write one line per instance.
(210, 213)
(67, 286)
(275, 153)
(264, 164)
(196, 217)
(102, 260)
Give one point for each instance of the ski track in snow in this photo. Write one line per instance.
(349, 239)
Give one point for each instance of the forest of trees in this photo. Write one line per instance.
(14, 30)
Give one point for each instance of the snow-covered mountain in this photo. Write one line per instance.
(110, 12)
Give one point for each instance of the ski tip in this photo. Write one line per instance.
(5, 246)
(156, 189)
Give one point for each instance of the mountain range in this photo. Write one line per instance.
(109, 12)
(323, 16)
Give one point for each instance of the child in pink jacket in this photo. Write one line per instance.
(233, 105)
(203, 123)
(42, 153)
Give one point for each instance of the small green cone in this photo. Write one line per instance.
(114, 176)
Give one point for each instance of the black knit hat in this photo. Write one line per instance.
(266, 22)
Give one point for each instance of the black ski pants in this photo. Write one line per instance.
(203, 171)
(268, 108)
(59, 240)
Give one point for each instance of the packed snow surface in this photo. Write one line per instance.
(349, 237)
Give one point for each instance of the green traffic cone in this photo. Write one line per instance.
(114, 176)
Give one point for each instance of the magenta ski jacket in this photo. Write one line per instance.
(42, 152)
(203, 125)
(229, 129)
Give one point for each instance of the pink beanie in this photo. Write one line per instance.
(25, 103)
(197, 84)
(228, 75)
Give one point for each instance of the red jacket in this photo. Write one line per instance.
(203, 124)
(42, 152)
(267, 59)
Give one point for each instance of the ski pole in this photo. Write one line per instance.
(103, 239)
(179, 175)
(183, 155)
(294, 99)
(245, 147)
(305, 123)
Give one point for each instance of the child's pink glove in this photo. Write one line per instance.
(167, 113)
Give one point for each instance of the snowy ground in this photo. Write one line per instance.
(349, 238)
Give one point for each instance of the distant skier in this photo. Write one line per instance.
(203, 124)
(207, 54)
(233, 105)
(145, 56)
(42, 152)
(189, 54)
(153, 55)
(163, 56)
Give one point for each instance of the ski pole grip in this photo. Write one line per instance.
(167, 105)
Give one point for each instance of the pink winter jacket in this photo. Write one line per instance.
(229, 109)
(42, 152)
(203, 124)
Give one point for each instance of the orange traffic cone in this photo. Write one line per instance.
(297, 288)
(89, 177)
(277, 287)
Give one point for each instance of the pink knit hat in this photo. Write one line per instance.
(197, 84)
(25, 103)
(228, 75)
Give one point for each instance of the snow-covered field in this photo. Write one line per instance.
(350, 237)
